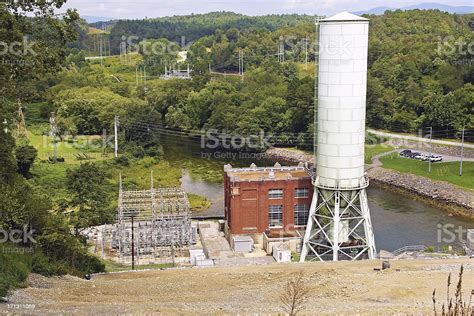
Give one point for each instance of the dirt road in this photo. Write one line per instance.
(342, 288)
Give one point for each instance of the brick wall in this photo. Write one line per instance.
(246, 210)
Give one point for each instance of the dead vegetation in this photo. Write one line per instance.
(455, 305)
(295, 294)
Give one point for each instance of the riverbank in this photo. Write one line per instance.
(334, 288)
(451, 197)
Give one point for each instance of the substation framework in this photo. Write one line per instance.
(161, 220)
(339, 225)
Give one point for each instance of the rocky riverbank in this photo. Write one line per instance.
(456, 199)
(293, 156)
(452, 197)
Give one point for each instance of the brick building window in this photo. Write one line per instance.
(275, 193)
(301, 213)
(301, 192)
(275, 215)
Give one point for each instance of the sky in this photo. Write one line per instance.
(136, 9)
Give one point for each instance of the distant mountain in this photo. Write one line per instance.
(94, 19)
(422, 6)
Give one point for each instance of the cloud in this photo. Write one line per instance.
(157, 8)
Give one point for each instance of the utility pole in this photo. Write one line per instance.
(243, 68)
(240, 69)
(144, 73)
(462, 152)
(431, 149)
(306, 52)
(136, 75)
(283, 52)
(241, 64)
(5, 124)
(133, 244)
(116, 123)
(103, 242)
(100, 49)
(54, 133)
(279, 53)
(21, 130)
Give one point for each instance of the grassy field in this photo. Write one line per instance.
(73, 150)
(135, 176)
(373, 150)
(447, 171)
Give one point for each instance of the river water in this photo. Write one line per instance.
(397, 220)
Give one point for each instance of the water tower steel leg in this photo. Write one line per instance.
(335, 215)
(337, 226)
(369, 233)
(309, 227)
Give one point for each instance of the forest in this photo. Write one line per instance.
(420, 71)
(420, 75)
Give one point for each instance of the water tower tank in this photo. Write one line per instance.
(342, 100)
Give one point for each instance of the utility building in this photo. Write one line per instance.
(272, 200)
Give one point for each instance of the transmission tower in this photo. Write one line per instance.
(21, 131)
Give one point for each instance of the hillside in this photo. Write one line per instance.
(421, 6)
(335, 288)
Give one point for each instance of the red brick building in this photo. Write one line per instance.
(273, 199)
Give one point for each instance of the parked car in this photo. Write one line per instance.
(436, 158)
(425, 157)
(416, 155)
(405, 153)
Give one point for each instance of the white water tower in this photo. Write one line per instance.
(339, 225)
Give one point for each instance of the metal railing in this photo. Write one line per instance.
(363, 183)
(409, 248)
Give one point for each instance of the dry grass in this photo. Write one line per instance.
(455, 305)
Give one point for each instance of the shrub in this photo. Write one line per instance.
(122, 161)
(14, 268)
(42, 265)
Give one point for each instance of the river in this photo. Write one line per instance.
(397, 220)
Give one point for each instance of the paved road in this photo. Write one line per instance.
(419, 139)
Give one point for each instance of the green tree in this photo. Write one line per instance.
(86, 186)
(445, 111)
(25, 157)
(45, 53)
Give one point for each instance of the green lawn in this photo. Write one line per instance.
(69, 149)
(373, 150)
(446, 171)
